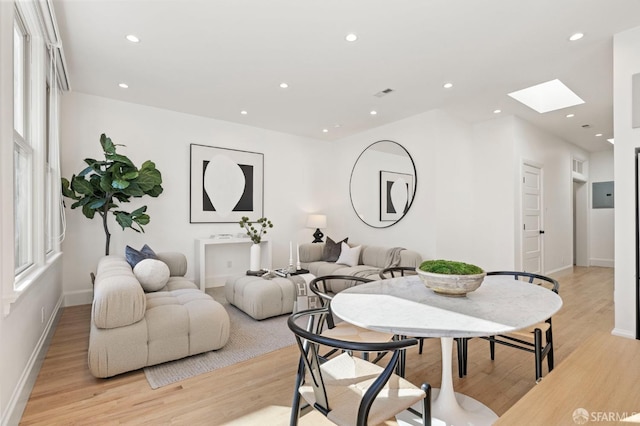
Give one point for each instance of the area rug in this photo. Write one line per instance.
(248, 339)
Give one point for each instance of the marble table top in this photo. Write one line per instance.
(404, 306)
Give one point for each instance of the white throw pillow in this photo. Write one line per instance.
(349, 255)
(152, 274)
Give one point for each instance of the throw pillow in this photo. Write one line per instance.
(331, 251)
(152, 274)
(349, 255)
(134, 256)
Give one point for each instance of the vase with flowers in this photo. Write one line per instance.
(255, 231)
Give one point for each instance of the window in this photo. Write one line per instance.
(23, 151)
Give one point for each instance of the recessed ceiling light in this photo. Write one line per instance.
(336, 125)
(497, 111)
(284, 85)
(447, 85)
(132, 38)
(598, 135)
(576, 36)
(351, 37)
(549, 96)
(123, 85)
(570, 115)
(610, 141)
(325, 130)
(373, 112)
(243, 112)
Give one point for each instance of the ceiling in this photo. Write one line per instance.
(216, 58)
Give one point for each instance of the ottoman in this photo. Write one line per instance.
(261, 298)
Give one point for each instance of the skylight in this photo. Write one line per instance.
(550, 96)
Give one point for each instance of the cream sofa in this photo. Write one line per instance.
(131, 329)
(262, 298)
(371, 261)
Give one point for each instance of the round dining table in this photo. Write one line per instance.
(404, 306)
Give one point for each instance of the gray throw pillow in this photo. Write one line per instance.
(331, 251)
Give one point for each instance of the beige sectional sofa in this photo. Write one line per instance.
(131, 328)
(262, 298)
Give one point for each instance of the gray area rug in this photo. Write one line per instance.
(248, 339)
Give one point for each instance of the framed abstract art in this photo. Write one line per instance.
(225, 185)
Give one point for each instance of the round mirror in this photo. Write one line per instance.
(383, 184)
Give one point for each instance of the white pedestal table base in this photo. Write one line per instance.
(449, 407)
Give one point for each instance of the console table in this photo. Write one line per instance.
(233, 251)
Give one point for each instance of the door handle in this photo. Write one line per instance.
(541, 231)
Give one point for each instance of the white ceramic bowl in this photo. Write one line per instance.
(451, 285)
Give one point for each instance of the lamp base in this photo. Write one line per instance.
(318, 236)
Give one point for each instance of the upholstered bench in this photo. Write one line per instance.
(262, 298)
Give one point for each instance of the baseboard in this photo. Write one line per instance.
(560, 271)
(22, 391)
(630, 334)
(605, 263)
(80, 297)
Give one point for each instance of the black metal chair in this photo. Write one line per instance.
(404, 271)
(346, 389)
(537, 339)
(322, 287)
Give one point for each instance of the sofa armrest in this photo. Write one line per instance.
(177, 263)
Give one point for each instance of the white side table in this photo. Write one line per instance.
(217, 246)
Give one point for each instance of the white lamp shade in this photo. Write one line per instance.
(317, 221)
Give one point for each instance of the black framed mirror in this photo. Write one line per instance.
(383, 184)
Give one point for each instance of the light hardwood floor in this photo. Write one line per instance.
(259, 391)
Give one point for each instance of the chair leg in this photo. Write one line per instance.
(550, 360)
(462, 356)
(492, 348)
(537, 336)
(295, 404)
(421, 345)
(426, 405)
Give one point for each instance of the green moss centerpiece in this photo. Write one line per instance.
(449, 277)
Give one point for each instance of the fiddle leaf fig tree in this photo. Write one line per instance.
(105, 183)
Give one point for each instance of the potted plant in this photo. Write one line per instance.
(255, 232)
(449, 277)
(102, 184)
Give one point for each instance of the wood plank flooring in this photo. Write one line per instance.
(258, 391)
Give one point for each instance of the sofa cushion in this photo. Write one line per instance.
(332, 249)
(118, 298)
(349, 255)
(177, 263)
(152, 274)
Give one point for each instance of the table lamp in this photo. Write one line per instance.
(317, 221)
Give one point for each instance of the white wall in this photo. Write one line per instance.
(467, 204)
(602, 232)
(554, 155)
(626, 60)
(293, 170)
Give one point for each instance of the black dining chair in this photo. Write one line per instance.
(537, 339)
(346, 389)
(325, 288)
(405, 271)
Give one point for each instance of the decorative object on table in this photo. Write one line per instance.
(317, 221)
(383, 184)
(102, 184)
(255, 231)
(449, 277)
(226, 184)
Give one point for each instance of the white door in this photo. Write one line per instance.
(532, 223)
